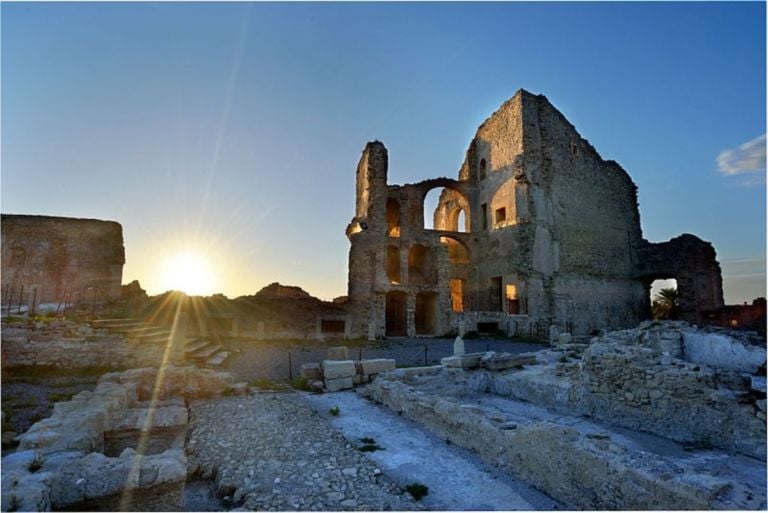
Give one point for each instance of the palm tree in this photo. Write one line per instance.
(665, 304)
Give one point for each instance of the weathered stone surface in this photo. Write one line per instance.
(152, 417)
(60, 460)
(628, 378)
(311, 371)
(238, 388)
(537, 200)
(333, 369)
(53, 347)
(458, 346)
(377, 366)
(468, 361)
(573, 461)
(334, 385)
(337, 353)
(723, 352)
(502, 361)
(96, 475)
(60, 254)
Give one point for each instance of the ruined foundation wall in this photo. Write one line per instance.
(58, 255)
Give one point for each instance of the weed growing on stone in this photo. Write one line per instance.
(300, 383)
(334, 411)
(417, 490)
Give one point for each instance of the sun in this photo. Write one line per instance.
(189, 272)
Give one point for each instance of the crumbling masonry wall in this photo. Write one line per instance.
(551, 236)
(45, 258)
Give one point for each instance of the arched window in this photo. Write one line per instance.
(481, 169)
(446, 209)
(393, 218)
(393, 264)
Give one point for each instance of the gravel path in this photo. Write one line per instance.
(272, 452)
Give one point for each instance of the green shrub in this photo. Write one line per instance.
(334, 411)
(300, 383)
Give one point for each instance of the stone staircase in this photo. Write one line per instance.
(201, 351)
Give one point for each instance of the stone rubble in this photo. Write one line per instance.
(337, 372)
(269, 452)
(61, 460)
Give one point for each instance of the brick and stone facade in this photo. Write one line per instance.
(56, 259)
(537, 228)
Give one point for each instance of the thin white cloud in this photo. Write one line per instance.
(749, 158)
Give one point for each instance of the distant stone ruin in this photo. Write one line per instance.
(60, 260)
(537, 230)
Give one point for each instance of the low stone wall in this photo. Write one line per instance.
(60, 460)
(582, 469)
(68, 345)
(632, 378)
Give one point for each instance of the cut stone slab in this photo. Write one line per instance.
(468, 361)
(337, 353)
(334, 385)
(311, 371)
(502, 361)
(338, 369)
(377, 366)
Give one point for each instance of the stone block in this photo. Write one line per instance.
(469, 361)
(497, 362)
(377, 365)
(311, 371)
(333, 369)
(334, 385)
(238, 389)
(337, 353)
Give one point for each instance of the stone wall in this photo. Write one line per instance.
(646, 379)
(552, 231)
(60, 461)
(580, 463)
(55, 256)
(67, 345)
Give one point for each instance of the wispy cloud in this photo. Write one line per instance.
(748, 161)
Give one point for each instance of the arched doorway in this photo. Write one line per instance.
(395, 314)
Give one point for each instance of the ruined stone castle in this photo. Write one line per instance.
(538, 229)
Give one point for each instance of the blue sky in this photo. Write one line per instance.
(233, 130)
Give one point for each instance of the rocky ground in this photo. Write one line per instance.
(271, 452)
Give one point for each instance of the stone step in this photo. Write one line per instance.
(205, 352)
(157, 339)
(104, 323)
(217, 359)
(122, 328)
(145, 331)
(195, 344)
